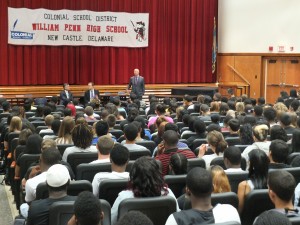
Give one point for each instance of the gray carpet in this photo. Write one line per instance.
(5, 212)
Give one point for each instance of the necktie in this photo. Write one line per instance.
(92, 94)
(136, 80)
(67, 94)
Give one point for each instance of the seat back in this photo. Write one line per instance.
(62, 147)
(25, 161)
(195, 162)
(256, 202)
(197, 142)
(157, 209)
(151, 145)
(39, 128)
(176, 183)
(218, 161)
(295, 171)
(74, 188)
(133, 155)
(10, 137)
(61, 212)
(230, 198)
(295, 220)
(109, 189)
(291, 157)
(86, 171)
(188, 135)
(242, 147)
(77, 158)
(116, 133)
(37, 123)
(231, 141)
(235, 178)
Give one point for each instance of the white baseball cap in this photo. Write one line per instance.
(57, 175)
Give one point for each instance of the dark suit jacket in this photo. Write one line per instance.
(63, 97)
(87, 97)
(138, 87)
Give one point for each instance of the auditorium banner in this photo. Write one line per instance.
(68, 27)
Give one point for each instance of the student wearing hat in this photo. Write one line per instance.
(57, 180)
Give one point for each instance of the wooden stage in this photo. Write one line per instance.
(42, 91)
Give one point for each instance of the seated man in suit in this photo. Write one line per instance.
(90, 94)
(137, 84)
(65, 95)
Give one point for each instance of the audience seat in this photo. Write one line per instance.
(157, 209)
(241, 147)
(77, 158)
(291, 157)
(176, 183)
(151, 145)
(109, 189)
(62, 147)
(61, 212)
(295, 220)
(74, 188)
(231, 141)
(139, 153)
(39, 128)
(116, 133)
(198, 142)
(235, 178)
(188, 135)
(256, 202)
(218, 161)
(86, 171)
(230, 198)
(38, 123)
(195, 162)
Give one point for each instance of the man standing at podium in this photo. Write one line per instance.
(137, 84)
(90, 94)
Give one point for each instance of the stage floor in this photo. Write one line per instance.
(210, 91)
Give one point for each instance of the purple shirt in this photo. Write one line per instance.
(152, 120)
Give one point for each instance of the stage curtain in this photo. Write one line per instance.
(180, 46)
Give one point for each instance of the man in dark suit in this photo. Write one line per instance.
(65, 95)
(137, 84)
(90, 94)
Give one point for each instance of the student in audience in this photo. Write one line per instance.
(279, 151)
(89, 114)
(132, 114)
(119, 158)
(270, 116)
(174, 127)
(232, 159)
(55, 125)
(199, 188)
(48, 122)
(167, 148)
(104, 146)
(145, 181)
(87, 210)
(178, 164)
(131, 133)
(57, 180)
(15, 126)
(271, 217)
(145, 132)
(205, 113)
(234, 127)
(216, 143)
(111, 121)
(48, 158)
(65, 131)
(140, 131)
(220, 180)
(160, 111)
(277, 132)
(286, 122)
(134, 218)
(260, 133)
(82, 138)
(246, 134)
(281, 185)
(188, 102)
(296, 141)
(258, 173)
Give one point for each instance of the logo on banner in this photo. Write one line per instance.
(139, 29)
(20, 34)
